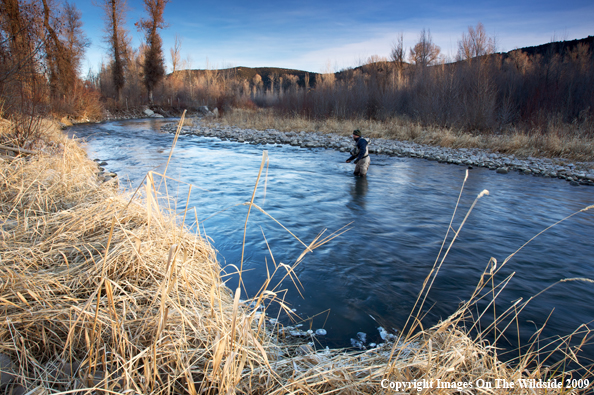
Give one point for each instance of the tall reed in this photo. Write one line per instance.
(110, 292)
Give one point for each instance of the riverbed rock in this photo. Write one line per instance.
(148, 112)
(17, 389)
(7, 369)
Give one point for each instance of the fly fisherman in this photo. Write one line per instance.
(360, 153)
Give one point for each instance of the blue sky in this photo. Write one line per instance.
(328, 35)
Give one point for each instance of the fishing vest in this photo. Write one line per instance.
(355, 151)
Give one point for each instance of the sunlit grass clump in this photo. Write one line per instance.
(108, 292)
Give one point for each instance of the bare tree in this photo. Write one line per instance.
(292, 80)
(75, 39)
(13, 27)
(424, 53)
(176, 53)
(154, 63)
(117, 38)
(272, 77)
(21, 51)
(476, 43)
(62, 71)
(256, 83)
(397, 54)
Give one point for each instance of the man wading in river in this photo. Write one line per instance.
(361, 153)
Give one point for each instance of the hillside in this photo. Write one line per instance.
(556, 47)
(248, 73)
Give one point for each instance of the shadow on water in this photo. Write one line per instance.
(400, 212)
(358, 191)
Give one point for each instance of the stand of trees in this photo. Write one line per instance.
(536, 91)
(41, 48)
(42, 45)
(482, 91)
(154, 63)
(131, 74)
(539, 89)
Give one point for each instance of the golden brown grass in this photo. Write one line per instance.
(554, 144)
(110, 292)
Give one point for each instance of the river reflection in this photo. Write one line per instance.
(399, 214)
(358, 191)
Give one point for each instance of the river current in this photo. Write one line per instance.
(370, 276)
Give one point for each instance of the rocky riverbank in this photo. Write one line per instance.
(155, 112)
(92, 278)
(578, 173)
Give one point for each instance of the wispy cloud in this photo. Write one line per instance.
(309, 36)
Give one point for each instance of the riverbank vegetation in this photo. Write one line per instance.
(560, 144)
(41, 50)
(111, 291)
(532, 101)
(42, 46)
(535, 101)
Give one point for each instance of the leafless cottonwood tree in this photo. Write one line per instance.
(424, 53)
(75, 38)
(116, 36)
(154, 63)
(61, 69)
(398, 55)
(176, 53)
(21, 52)
(475, 44)
(256, 83)
(41, 48)
(41, 45)
(14, 37)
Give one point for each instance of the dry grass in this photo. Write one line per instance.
(554, 144)
(105, 292)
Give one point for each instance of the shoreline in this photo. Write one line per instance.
(576, 173)
(95, 280)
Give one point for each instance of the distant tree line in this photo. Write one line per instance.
(480, 91)
(534, 90)
(538, 90)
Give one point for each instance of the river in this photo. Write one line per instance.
(371, 275)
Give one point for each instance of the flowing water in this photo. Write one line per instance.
(371, 275)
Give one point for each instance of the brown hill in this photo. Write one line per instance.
(556, 48)
(248, 73)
